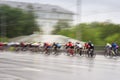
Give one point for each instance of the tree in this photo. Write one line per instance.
(18, 22)
(97, 32)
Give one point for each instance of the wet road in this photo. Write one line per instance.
(28, 66)
(44, 38)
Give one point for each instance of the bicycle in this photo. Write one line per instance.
(114, 52)
(107, 51)
(47, 51)
(70, 51)
(91, 53)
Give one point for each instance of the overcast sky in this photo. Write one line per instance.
(91, 10)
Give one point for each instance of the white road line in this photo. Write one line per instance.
(21, 69)
(4, 76)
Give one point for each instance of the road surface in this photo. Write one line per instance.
(31, 66)
(44, 38)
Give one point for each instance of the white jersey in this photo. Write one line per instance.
(108, 45)
(79, 45)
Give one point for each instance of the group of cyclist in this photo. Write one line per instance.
(70, 48)
(111, 49)
(80, 48)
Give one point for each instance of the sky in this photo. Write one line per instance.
(89, 10)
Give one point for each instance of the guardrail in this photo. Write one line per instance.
(99, 47)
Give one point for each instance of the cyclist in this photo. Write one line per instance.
(90, 48)
(108, 45)
(35, 46)
(70, 48)
(1, 46)
(86, 46)
(22, 45)
(70, 45)
(115, 47)
(67, 45)
(79, 48)
(56, 46)
(90, 45)
(47, 47)
(108, 48)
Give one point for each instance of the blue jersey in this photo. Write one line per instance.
(58, 45)
(114, 45)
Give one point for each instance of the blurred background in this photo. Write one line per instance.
(95, 20)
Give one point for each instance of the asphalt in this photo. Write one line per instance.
(32, 66)
(44, 38)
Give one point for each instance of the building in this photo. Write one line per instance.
(46, 15)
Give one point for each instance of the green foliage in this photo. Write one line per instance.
(4, 39)
(18, 22)
(110, 29)
(113, 38)
(67, 32)
(98, 32)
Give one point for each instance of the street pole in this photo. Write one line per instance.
(78, 10)
(78, 17)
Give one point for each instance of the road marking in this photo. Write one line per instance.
(21, 69)
(32, 69)
(6, 76)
